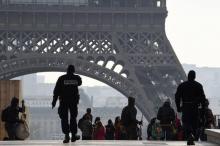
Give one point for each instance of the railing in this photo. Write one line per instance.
(217, 121)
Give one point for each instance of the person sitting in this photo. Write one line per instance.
(10, 116)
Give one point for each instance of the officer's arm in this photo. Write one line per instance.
(203, 97)
(172, 115)
(79, 81)
(133, 116)
(56, 92)
(22, 106)
(178, 99)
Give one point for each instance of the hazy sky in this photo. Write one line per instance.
(193, 28)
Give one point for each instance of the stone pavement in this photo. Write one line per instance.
(100, 143)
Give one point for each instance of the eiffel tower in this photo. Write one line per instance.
(119, 42)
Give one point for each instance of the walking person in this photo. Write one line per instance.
(189, 96)
(166, 115)
(66, 90)
(129, 121)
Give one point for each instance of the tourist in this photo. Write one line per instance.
(99, 131)
(129, 121)
(117, 126)
(10, 116)
(149, 128)
(157, 132)
(110, 130)
(86, 128)
(207, 121)
(166, 115)
(88, 113)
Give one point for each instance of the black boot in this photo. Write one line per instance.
(66, 139)
(190, 140)
(75, 137)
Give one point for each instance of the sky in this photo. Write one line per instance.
(193, 28)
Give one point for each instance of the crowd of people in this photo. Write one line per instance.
(196, 115)
(168, 126)
(110, 131)
(189, 98)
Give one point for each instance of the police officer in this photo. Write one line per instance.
(189, 96)
(129, 121)
(66, 90)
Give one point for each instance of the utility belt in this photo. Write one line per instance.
(191, 104)
(165, 124)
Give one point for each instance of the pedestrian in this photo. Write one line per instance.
(99, 131)
(129, 121)
(86, 128)
(110, 130)
(166, 116)
(149, 128)
(10, 116)
(189, 96)
(88, 113)
(117, 126)
(207, 121)
(157, 132)
(66, 90)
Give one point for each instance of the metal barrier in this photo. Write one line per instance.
(217, 121)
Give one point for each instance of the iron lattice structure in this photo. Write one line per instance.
(119, 42)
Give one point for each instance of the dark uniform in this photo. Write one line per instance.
(189, 96)
(67, 90)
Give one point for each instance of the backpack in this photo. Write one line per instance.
(4, 116)
(80, 123)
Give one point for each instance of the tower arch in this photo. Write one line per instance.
(37, 37)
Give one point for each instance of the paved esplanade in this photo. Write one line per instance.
(100, 143)
(119, 42)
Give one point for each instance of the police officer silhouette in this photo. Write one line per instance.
(189, 96)
(66, 89)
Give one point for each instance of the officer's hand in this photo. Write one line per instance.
(53, 104)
